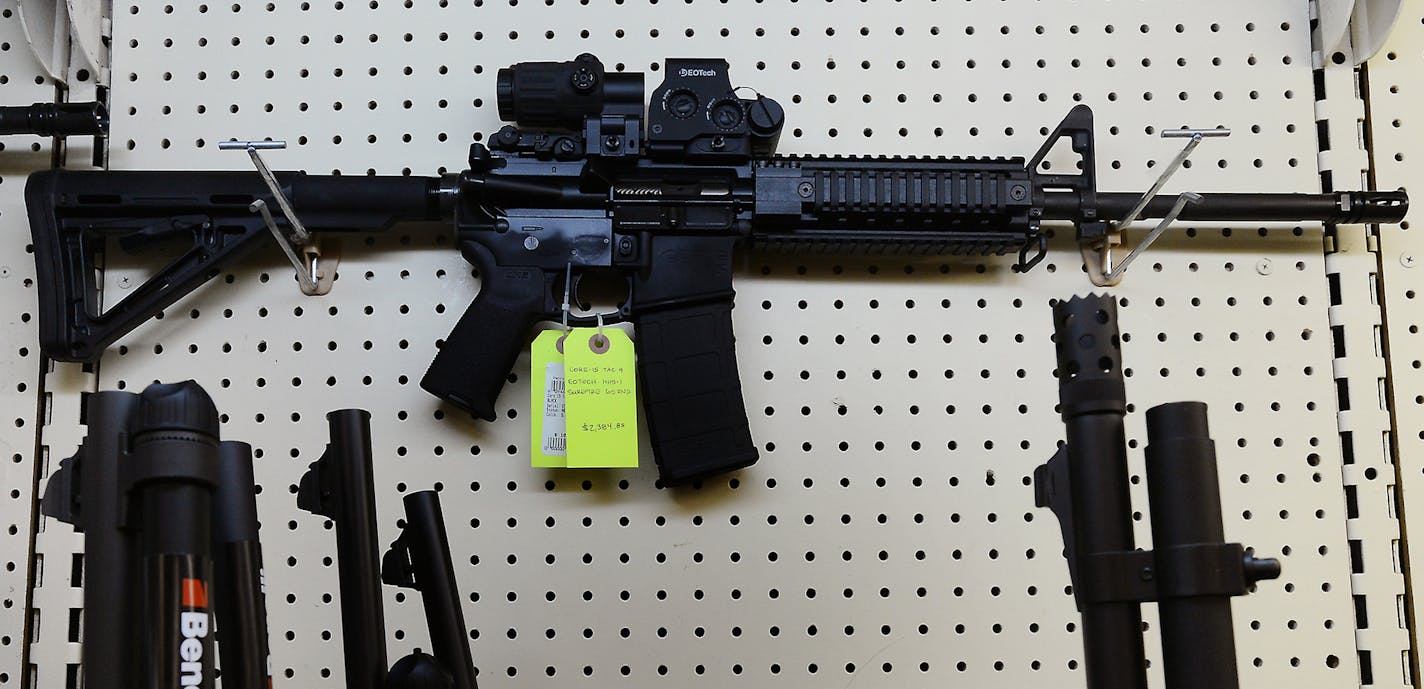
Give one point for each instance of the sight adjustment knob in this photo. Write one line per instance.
(727, 114)
(682, 103)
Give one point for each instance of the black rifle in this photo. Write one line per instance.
(587, 182)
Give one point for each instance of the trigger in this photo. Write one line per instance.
(577, 300)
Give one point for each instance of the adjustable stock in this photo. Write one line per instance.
(73, 214)
(71, 327)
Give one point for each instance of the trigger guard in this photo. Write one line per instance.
(623, 314)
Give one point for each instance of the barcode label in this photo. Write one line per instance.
(555, 440)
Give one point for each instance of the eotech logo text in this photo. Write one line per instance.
(193, 625)
(696, 72)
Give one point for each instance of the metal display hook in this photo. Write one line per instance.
(1098, 257)
(301, 248)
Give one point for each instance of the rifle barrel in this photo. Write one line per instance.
(1338, 207)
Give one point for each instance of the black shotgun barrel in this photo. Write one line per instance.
(1198, 645)
(1093, 401)
(340, 486)
(111, 576)
(55, 119)
(422, 557)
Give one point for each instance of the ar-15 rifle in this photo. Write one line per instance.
(588, 182)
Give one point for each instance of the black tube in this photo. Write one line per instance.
(1093, 401)
(174, 444)
(1198, 645)
(435, 577)
(55, 119)
(340, 486)
(241, 608)
(112, 627)
(562, 192)
(1339, 207)
(388, 197)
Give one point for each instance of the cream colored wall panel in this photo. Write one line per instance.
(888, 533)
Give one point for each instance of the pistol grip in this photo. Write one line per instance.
(692, 397)
(478, 354)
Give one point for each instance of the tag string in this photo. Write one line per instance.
(567, 305)
(568, 284)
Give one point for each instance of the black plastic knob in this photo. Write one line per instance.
(1258, 568)
(180, 407)
(765, 117)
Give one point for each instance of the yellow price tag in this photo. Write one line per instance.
(548, 441)
(601, 399)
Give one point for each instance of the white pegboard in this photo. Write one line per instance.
(888, 533)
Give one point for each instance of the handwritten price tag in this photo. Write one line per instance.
(600, 399)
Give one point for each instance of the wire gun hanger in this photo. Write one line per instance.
(1098, 257)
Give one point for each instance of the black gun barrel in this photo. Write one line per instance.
(435, 577)
(237, 557)
(111, 576)
(1198, 645)
(1338, 207)
(1093, 401)
(341, 487)
(55, 119)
